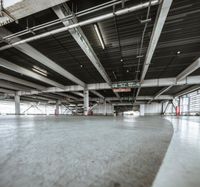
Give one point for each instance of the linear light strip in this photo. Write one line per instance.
(37, 71)
(99, 35)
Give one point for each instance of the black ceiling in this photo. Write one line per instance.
(122, 36)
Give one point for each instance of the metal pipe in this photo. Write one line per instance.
(12, 35)
(104, 4)
(100, 7)
(57, 21)
(83, 23)
(38, 27)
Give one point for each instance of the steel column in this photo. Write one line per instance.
(86, 101)
(17, 104)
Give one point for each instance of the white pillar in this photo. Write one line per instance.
(142, 109)
(17, 104)
(57, 107)
(86, 101)
(105, 108)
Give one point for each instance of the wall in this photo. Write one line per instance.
(150, 109)
(100, 109)
(8, 107)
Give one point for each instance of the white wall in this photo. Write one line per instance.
(100, 109)
(8, 107)
(142, 109)
(151, 109)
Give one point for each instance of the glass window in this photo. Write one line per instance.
(190, 103)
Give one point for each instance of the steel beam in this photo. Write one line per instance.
(92, 107)
(97, 94)
(188, 90)
(39, 97)
(128, 103)
(38, 56)
(54, 97)
(157, 29)
(83, 23)
(162, 97)
(191, 80)
(7, 91)
(4, 76)
(160, 92)
(67, 95)
(127, 99)
(194, 66)
(162, 13)
(79, 36)
(170, 81)
(13, 86)
(13, 67)
(78, 93)
(30, 99)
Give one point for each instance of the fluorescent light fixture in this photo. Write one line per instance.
(99, 35)
(39, 70)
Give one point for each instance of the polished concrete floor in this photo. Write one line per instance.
(181, 165)
(81, 151)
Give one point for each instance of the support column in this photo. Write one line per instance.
(162, 107)
(142, 108)
(86, 101)
(105, 108)
(17, 104)
(113, 110)
(57, 107)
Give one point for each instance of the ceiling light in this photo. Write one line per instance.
(178, 52)
(81, 65)
(127, 71)
(121, 60)
(39, 70)
(99, 35)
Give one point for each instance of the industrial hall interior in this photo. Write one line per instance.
(99, 93)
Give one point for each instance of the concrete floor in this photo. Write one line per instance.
(81, 151)
(181, 166)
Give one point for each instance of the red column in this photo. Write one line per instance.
(177, 111)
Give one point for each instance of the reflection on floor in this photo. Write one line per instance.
(81, 151)
(181, 166)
